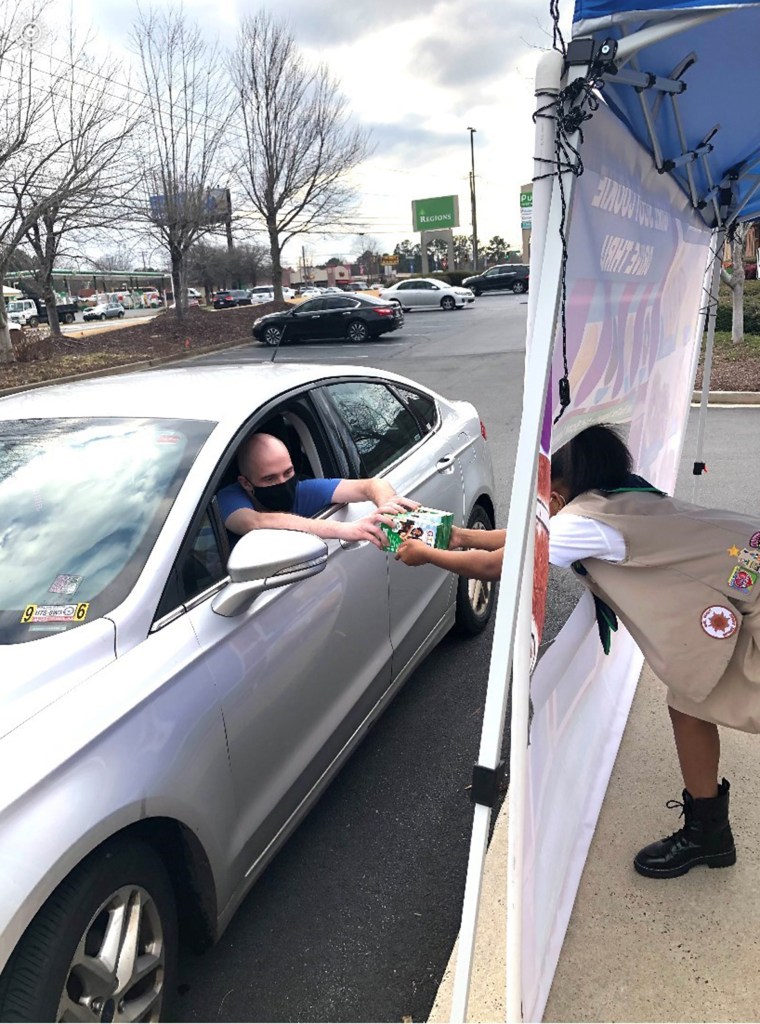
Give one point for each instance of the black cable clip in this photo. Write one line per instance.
(699, 468)
(486, 784)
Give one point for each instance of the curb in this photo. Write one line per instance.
(109, 371)
(728, 398)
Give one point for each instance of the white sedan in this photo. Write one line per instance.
(427, 293)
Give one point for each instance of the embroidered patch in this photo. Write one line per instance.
(65, 584)
(733, 551)
(34, 613)
(750, 559)
(754, 541)
(742, 579)
(719, 622)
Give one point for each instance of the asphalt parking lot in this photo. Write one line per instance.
(355, 918)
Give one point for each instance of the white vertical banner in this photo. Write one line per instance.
(637, 254)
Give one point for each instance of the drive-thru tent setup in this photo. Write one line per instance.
(647, 151)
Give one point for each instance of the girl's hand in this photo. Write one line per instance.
(455, 540)
(413, 552)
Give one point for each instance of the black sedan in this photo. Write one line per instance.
(354, 317)
(232, 297)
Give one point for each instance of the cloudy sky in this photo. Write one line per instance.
(417, 75)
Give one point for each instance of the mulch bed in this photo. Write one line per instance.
(159, 338)
(735, 368)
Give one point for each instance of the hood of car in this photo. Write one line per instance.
(37, 673)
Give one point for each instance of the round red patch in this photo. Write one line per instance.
(719, 622)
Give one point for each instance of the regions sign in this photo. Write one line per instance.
(434, 214)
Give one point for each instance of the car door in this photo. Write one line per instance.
(307, 323)
(398, 433)
(338, 312)
(297, 672)
(409, 293)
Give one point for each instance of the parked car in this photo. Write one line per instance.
(105, 311)
(261, 293)
(231, 297)
(427, 292)
(309, 292)
(32, 312)
(353, 317)
(514, 277)
(171, 711)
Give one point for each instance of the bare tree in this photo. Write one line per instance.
(87, 182)
(24, 155)
(735, 280)
(184, 131)
(298, 144)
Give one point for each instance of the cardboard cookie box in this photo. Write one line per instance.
(430, 525)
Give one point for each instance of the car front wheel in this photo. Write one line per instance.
(475, 598)
(357, 331)
(103, 946)
(448, 303)
(477, 291)
(272, 336)
(519, 287)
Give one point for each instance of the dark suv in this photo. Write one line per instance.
(514, 276)
(231, 297)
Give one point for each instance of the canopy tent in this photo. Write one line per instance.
(669, 160)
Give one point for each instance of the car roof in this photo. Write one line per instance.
(215, 392)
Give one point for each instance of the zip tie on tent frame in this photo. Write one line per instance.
(574, 105)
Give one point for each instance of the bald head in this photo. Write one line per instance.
(264, 460)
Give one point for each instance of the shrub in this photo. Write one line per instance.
(751, 308)
(33, 345)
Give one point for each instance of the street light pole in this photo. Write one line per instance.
(473, 203)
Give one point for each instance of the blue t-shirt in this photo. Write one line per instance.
(311, 497)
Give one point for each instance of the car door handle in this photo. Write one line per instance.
(446, 462)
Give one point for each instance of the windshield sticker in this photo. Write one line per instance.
(168, 439)
(65, 584)
(36, 613)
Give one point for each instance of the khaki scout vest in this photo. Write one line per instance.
(689, 577)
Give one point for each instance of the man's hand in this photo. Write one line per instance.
(365, 529)
(414, 552)
(396, 505)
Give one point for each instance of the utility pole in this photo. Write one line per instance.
(473, 203)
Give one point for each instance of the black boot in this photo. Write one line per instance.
(704, 839)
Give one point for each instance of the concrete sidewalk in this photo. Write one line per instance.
(637, 949)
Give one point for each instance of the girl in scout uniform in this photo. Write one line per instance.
(685, 582)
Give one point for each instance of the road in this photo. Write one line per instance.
(355, 918)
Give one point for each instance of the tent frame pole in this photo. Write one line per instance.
(710, 286)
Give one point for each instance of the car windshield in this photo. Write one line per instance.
(81, 504)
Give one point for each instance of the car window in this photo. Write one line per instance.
(423, 406)
(341, 303)
(407, 286)
(203, 564)
(82, 502)
(382, 428)
(311, 306)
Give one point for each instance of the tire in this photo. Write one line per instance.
(41, 981)
(519, 287)
(448, 303)
(357, 331)
(102, 316)
(272, 335)
(475, 599)
(68, 318)
(33, 321)
(121, 316)
(477, 291)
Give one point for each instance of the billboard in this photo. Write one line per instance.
(215, 206)
(526, 207)
(436, 213)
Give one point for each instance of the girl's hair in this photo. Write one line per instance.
(597, 459)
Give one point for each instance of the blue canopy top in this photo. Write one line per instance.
(718, 45)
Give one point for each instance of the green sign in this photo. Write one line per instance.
(526, 199)
(434, 214)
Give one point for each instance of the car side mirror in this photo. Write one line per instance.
(265, 560)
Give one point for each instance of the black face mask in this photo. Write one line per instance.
(277, 497)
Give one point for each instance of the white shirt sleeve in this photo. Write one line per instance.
(574, 537)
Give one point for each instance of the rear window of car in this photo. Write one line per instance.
(82, 502)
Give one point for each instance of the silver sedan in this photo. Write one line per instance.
(428, 293)
(171, 709)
